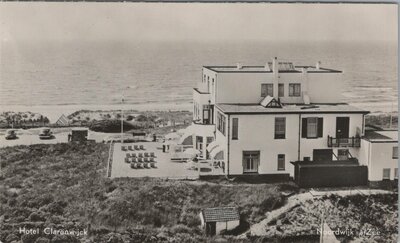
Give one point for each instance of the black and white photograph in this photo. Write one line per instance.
(198, 121)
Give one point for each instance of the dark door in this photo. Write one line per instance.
(210, 228)
(322, 155)
(342, 127)
(206, 116)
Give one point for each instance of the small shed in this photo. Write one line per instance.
(78, 135)
(215, 220)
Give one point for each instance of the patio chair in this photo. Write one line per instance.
(127, 160)
(140, 155)
(146, 154)
(145, 159)
(141, 147)
(147, 165)
(128, 155)
(152, 154)
(130, 148)
(134, 165)
(140, 160)
(134, 160)
(136, 147)
(140, 165)
(123, 148)
(151, 159)
(133, 155)
(153, 164)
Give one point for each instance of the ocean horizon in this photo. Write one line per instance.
(59, 77)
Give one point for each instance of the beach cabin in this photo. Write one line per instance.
(216, 220)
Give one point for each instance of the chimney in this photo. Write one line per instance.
(239, 65)
(317, 66)
(275, 65)
(276, 77)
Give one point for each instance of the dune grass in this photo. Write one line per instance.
(64, 186)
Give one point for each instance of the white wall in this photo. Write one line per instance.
(325, 87)
(230, 87)
(378, 156)
(256, 132)
(212, 89)
(226, 226)
(307, 145)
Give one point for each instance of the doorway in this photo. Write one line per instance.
(342, 127)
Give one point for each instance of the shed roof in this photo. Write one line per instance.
(220, 214)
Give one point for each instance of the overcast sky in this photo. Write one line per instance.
(195, 21)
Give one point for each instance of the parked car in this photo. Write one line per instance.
(46, 133)
(11, 134)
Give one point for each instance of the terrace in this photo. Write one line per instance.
(159, 164)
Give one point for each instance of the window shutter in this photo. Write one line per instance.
(304, 127)
(320, 127)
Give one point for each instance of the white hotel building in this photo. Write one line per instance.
(263, 120)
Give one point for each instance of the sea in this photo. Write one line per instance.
(60, 77)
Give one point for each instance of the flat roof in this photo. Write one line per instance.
(290, 109)
(381, 136)
(263, 69)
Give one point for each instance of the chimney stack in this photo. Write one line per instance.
(275, 69)
(239, 65)
(275, 65)
(317, 66)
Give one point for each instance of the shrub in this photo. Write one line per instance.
(12, 237)
(57, 207)
(42, 240)
(180, 228)
(37, 216)
(64, 239)
(29, 238)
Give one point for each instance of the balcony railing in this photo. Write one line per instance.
(344, 142)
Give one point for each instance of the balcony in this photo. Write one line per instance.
(344, 142)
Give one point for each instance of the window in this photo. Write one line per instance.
(280, 127)
(204, 80)
(281, 90)
(294, 90)
(221, 123)
(395, 153)
(312, 127)
(396, 173)
(281, 162)
(235, 128)
(267, 89)
(251, 160)
(386, 174)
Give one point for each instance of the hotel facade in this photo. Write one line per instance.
(278, 121)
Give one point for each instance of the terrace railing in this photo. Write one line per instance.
(344, 142)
